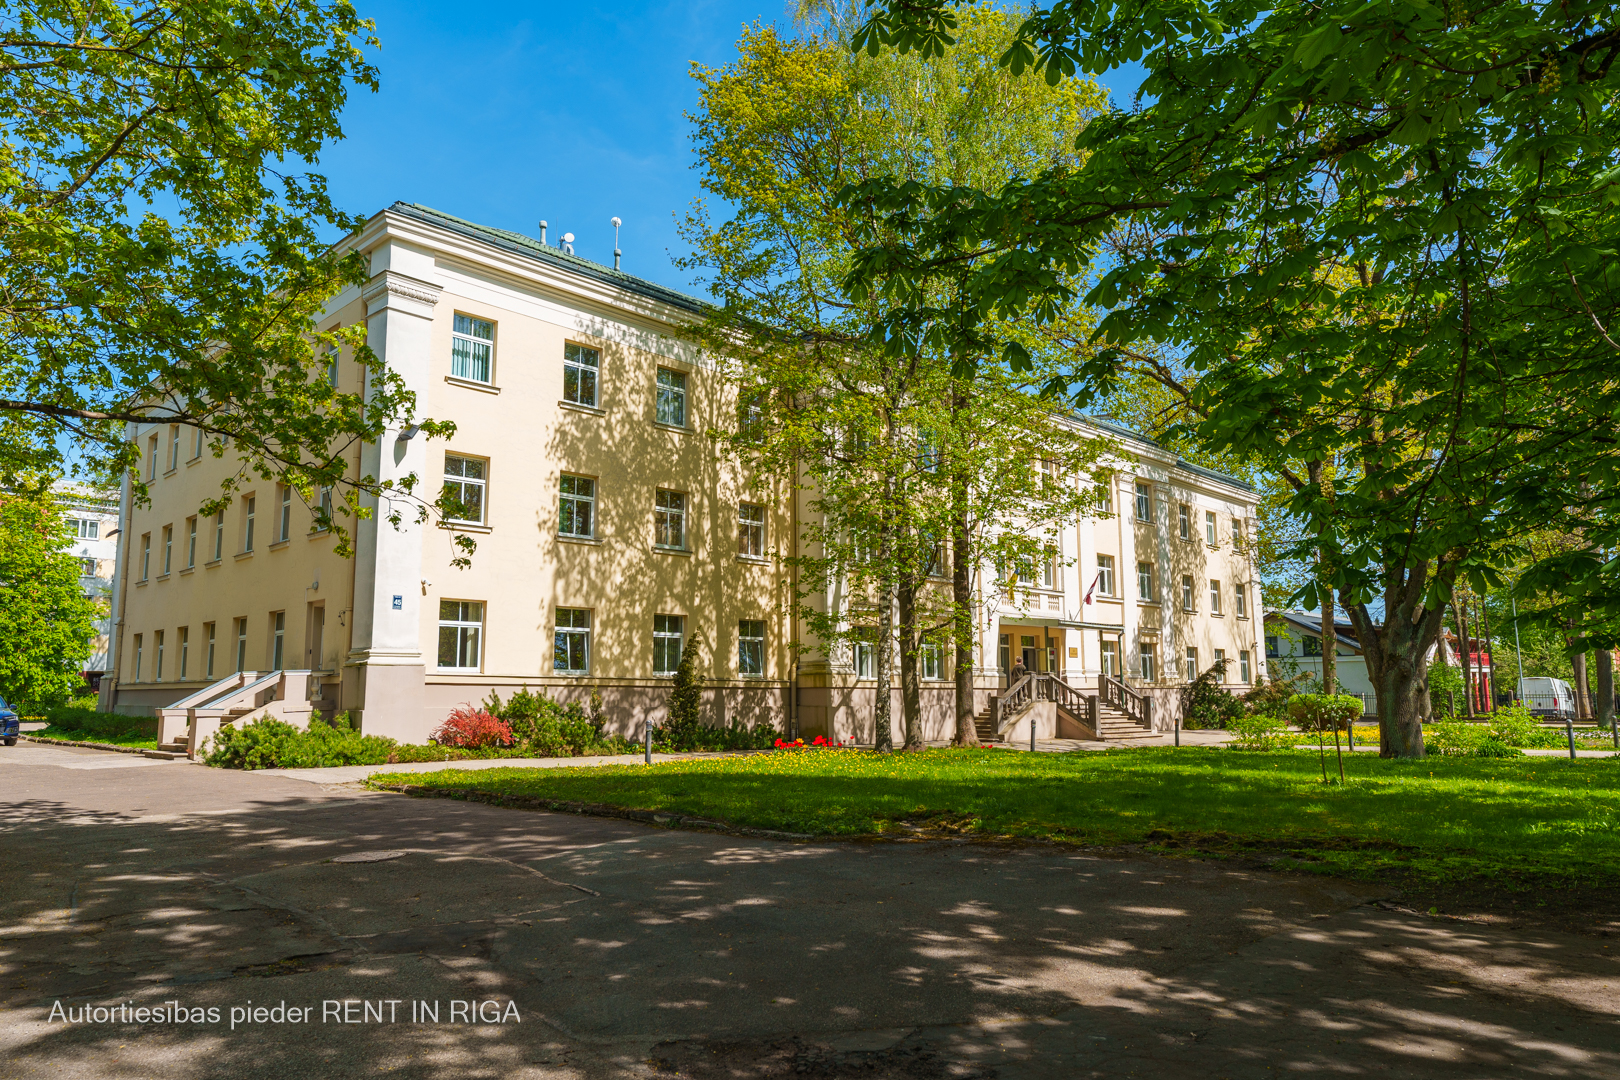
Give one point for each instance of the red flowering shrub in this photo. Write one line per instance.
(819, 741)
(470, 729)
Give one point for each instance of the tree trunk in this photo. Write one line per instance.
(1466, 655)
(910, 677)
(1487, 675)
(1605, 688)
(1395, 653)
(967, 732)
(1583, 709)
(1324, 577)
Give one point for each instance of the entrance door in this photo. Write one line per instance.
(1029, 652)
(315, 636)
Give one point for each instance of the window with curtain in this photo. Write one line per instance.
(472, 348)
(671, 408)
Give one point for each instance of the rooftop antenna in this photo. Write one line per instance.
(542, 233)
(568, 243)
(616, 252)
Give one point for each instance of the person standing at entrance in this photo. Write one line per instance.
(1018, 671)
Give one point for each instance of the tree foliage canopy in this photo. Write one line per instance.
(46, 624)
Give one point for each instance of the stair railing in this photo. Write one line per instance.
(1138, 707)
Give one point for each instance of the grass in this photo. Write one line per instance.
(76, 723)
(139, 742)
(1518, 823)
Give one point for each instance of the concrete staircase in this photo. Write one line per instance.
(1112, 725)
(185, 726)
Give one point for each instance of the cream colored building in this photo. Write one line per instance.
(610, 528)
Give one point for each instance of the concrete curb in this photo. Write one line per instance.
(90, 745)
(648, 817)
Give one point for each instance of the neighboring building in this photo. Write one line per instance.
(609, 530)
(1294, 647)
(92, 522)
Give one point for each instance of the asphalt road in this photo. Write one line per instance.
(599, 948)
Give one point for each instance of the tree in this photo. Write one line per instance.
(46, 623)
(685, 698)
(903, 448)
(1381, 234)
(162, 254)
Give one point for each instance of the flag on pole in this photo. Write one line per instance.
(1093, 586)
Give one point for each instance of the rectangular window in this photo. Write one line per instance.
(1192, 664)
(1146, 654)
(1243, 665)
(1105, 498)
(1273, 645)
(87, 566)
(174, 447)
(1004, 652)
(146, 555)
(472, 347)
(1108, 653)
(1312, 646)
(208, 657)
(278, 638)
(326, 505)
(1209, 527)
(751, 417)
(1105, 575)
(191, 542)
(138, 649)
(751, 646)
(580, 368)
(197, 443)
(1237, 531)
(866, 653)
(168, 549)
(1144, 581)
(151, 457)
(241, 644)
(332, 365)
(666, 644)
(86, 528)
(1049, 572)
(461, 626)
(185, 651)
(1184, 521)
(669, 519)
(931, 659)
(577, 507)
(671, 398)
(250, 507)
(1220, 664)
(1144, 501)
(573, 651)
(157, 656)
(1214, 597)
(1240, 601)
(284, 525)
(751, 530)
(1187, 593)
(219, 536)
(464, 482)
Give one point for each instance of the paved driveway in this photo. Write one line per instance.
(597, 948)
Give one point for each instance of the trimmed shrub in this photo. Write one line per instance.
(274, 744)
(88, 725)
(1260, 733)
(1445, 689)
(469, 728)
(1324, 712)
(546, 728)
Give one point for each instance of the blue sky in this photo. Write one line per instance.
(509, 113)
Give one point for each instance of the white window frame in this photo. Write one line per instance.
(157, 656)
(475, 350)
(1108, 657)
(1211, 532)
(1188, 597)
(1244, 669)
(185, 650)
(584, 364)
(465, 621)
(669, 519)
(578, 627)
(1192, 663)
(1215, 596)
(250, 507)
(931, 661)
(864, 653)
(1184, 521)
(751, 648)
(168, 549)
(1051, 578)
(1146, 655)
(191, 542)
(1144, 582)
(1105, 498)
(1144, 501)
(465, 484)
(209, 658)
(670, 396)
(669, 637)
(1105, 575)
(1240, 601)
(146, 556)
(278, 639)
(174, 447)
(750, 530)
(284, 521)
(1220, 654)
(219, 536)
(241, 644)
(139, 647)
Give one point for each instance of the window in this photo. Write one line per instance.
(250, 506)
(669, 519)
(284, 524)
(931, 659)
(577, 507)
(1312, 646)
(191, 542)
(666, 644)
(461, 625)
(472, 345)
(1209, 527)
(151, 457)
(1243, 666)
(197, 443)
(934, 550)
(1192, 664)
(1187, 593)
(751, 416)
(87, 566)
(326, 503)
(138, 650)
(174, 447)
(1144, 581)
(1005, 653)
(219, 536)
(146, 555)
(278, 637)
(185, 650)
(573, 651)
(168, 549)
(1273, 645)
(241, 644)
(1184, 521)
(85, 528)
(1220, 665)
(1049, 572)
(671, 398)
(1146, 654)
(1240, 601)
(157, 656)
(332, 365)
(1105, 498)
(750, 530)
(1214, 597)
(1237, 531)
(1144, 501)
(1108, 653)
(464, 481)
(866, 652)
(1105, 575)
(208, 657)
(580, 368)
(751, 646)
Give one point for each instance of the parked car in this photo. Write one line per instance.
(8, 724)
(1552, 699)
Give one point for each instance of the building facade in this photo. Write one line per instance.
(611, 528)
(92, 522)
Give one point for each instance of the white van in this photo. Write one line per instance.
(1550, 698)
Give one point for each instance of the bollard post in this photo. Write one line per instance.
(1032, 731)
(1178, 729)
(648, 726)
(1350, 734)
(1569, 731)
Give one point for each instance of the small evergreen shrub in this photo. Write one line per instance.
(1205, 703)
(1324, 712)
(472, 729)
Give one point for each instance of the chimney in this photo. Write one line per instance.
(615, 222)
(542, 234)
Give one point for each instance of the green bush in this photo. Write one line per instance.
(1458, 738)
(1324, 712)
(1260, 733)
(272, 744)
(88, 725)
(545, 728)
(1445, 687)
(684, 730)
(1205, 703)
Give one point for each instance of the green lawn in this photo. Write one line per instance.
(138, 740)
(1517, 823)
